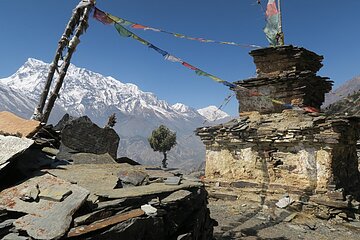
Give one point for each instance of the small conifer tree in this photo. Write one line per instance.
(162, 140)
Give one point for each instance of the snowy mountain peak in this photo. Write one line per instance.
(34, 62)
(179, 107)
(212, 113)
(84, 91)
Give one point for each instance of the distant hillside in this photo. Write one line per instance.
(349, 105)
(348, 88)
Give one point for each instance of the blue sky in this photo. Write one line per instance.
(328, 27)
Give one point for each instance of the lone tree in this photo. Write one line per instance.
(162, 140)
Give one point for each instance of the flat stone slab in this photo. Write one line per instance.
(223, 196)
(153, 188)
(55, 193)
(132, 177)
(110, 204)
(322, 200)
(172, 181)
(101, 179)
(90, 158)
(157, 172)
(176, 196)
(94, 177)
(45, 219)
(14, 236)
(10, 147)
(12, 124)
(7, 223)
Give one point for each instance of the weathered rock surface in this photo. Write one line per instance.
(286, 74)
(132, 178)
(180, 210)
(91, 158)
(82, 135)
(44, 197)
(269, 150)
(45, 219)
(305, 151)
(10, 147)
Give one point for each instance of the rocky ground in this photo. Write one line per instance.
(241, 216)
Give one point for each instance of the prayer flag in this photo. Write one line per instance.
(102, 17)
(228, 84)
(172, 58)
(140, 40)
(272, 28)
(216, 78)
(138, 26)
(162, 52)
(152, 29)
(201, 73)
(189, 66)
(277, 101)
(122, 31)
(179, 35)
(108, 18)
(288, 105)
(119, 20)
(311, 109)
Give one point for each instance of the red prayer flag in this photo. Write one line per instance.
(189, 66)
(102, 17)
(311, 109)
(271, 8)
(138, 26)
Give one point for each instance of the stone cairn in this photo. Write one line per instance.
(276, 150)
(286, 74)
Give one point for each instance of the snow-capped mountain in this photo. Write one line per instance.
(185, 110)
(88, 93)
(212, 113)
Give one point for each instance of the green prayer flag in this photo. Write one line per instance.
(140, 40)
(216, 78)
(272, 30)
(202, 73)
(122, 31)
(119, 20)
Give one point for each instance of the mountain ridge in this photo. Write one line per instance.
(348, 88)
(85, 92)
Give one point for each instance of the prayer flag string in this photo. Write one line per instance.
(110, 19)
(106, 19)
(127, 23)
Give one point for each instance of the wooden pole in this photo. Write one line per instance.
(63, 42)
(281, 33)
(84, 16)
